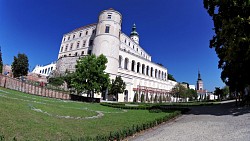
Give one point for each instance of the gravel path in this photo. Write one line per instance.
(223, 122)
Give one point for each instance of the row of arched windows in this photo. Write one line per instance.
(138, 67)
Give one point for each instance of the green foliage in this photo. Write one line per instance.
(89, 76)
(117, 86)
(156, 99)
(135, 97)
(1, 61)
(20, 65)
(231, 40)
(56, 81)
(191, 94)
(160, 99)
(171, 77)
(142, 98)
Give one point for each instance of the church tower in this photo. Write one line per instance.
(199, 82)
(134, 35)
(107, 39)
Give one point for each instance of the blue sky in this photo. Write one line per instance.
(175, 33)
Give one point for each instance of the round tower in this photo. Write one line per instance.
(107, 40)
(134, 35)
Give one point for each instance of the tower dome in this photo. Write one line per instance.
(134, 34)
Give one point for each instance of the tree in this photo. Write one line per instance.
(89, 76)
(20, 65)
(191, 94)
(179, 91)
(231, 40)
(218, 92)
(171, 77)
(117, 86)
(1, 61)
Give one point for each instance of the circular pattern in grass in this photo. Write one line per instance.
(66, 112)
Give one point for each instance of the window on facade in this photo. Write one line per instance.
(68, 37)
(76, 54)
(109, 16)
(107, 29)
(133, 66)
(66, 48)
(62, 49)
(71, 47)
(137, 49)
(86, 33)
(93, 32)
(51, 68)
(126, 63)
(69, 54)
(125, 40)
(73, 36)
(133, 47)
(77, 45)
(90, 42)
(45, 71)
(84, 43)
(64, 39)
(82, 52)
(129, 43)
(80, 34)
(40, 71)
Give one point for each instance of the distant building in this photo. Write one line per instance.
(44, 70)
(185, 84)
(7, 70)
(202, 93)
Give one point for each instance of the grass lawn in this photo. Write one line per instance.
(30, 117)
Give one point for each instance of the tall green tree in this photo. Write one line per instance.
(231, 40)
(171, 77)
(89, 76)
(1, 61)
(20, 65)
(117, 86)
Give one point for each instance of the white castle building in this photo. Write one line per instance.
(44, 70)
(126, 58)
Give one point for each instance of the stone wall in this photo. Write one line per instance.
(18, 85)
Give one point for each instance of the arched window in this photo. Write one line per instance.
(120, 61)
(143, 69)
(156, 73)
(138, 67)
(151, 72)
(126, 63)
(165, 76)
(159, 75)
(133, 65)
(162, 75)
(147, 70)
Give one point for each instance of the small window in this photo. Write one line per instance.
(129, 43)
(68, 37)
(74, 36)
(80, 34)
(133, 47)
(137, 49)
(63, 39)
(86, 33)
(69, 54)
(84, 43)
(109, 16)
(82, 52)
(62, 49)
(66, 49)
(76, 54)
(125, 41)
(77, 45)
(71, 46)
(93, 32)
(107, 29)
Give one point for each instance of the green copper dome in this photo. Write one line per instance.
(133, 32)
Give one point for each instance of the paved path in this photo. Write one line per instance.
(222, 122)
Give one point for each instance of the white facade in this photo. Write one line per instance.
(126, 57)
(44, 70)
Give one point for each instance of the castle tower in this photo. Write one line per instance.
(134, 35)
(199, 82)
(107, 40)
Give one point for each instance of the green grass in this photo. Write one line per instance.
(21, 117)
